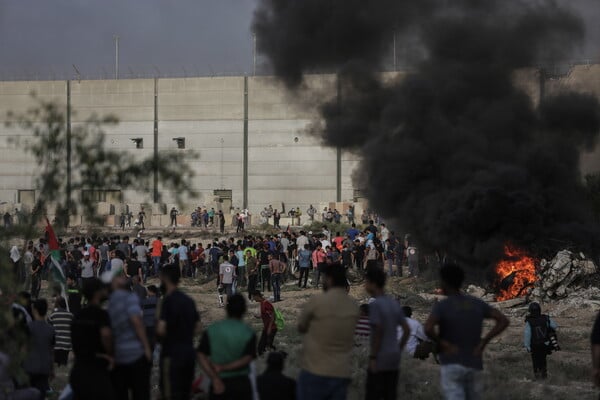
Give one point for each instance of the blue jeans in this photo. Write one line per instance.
(276, 281)
(316, 387)
(155, 264)
(461, 383)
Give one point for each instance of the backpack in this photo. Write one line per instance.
(540, 330)
(279, 320)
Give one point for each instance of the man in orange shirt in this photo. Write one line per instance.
(157, 247)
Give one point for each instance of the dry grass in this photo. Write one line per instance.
(507, 373)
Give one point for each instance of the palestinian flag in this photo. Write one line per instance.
(58, 274)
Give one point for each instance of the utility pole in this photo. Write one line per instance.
(394, 52)
(222, 142)
(116, 39)
(253, 54)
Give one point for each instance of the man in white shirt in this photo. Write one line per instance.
(385, 233)
(417, 333)
(301, 241)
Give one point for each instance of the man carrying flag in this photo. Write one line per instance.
(58, 274)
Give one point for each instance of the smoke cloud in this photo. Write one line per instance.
(455, 153)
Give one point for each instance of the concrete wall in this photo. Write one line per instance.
(286, 162)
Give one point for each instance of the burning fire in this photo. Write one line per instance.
(515, 274)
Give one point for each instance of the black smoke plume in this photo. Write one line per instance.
(455, 153)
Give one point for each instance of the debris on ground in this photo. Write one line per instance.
(561, 277)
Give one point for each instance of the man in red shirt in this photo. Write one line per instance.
(157, 248)
(267, 314)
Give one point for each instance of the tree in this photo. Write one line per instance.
(95, 167)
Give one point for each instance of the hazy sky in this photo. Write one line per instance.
(41, 36)
(45, 37)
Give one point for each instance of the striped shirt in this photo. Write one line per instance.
(61, 321)
(363, 329)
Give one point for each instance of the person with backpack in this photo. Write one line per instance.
(539, 329)
(267, 314)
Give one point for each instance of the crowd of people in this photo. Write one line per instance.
(109, 324)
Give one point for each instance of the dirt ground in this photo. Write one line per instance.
(508, 373)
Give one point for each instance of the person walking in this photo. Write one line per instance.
(267, 314)
(39, 361)
(226, 276)
(149, 307)
(318, 260)
(304, 256)
(157, 248)
(459, 321)
(177, 323)
(538, 329)
(277, 269)
(133, 354)
(61, 321)
(173, 214)
(385, 315)
(91, 337)
(327, 322)
(225, 352)
(252, 267)
(141, 218)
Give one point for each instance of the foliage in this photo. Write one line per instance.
(94, 167)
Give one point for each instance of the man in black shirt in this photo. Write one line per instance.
(272, 384)
(178, 321)
(596, 351)
(91, 339)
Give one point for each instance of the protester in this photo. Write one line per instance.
(459, 319)
(385, 315)
(149, 307)
(327, 322)
(91, 337)
(131, 347)
(362, 332)
(304, 256)
(35, 274)
(417, 333)
(273, 384)
(8, 391)
(178, 322)
(73, 295)
(538, 330)
(137, 288)
(277, 269)
(156, 254)
(227, 276)
(252, 266)
(267, 314)
(595, 342)
(39, 361)
(225, 352)
(61, 320)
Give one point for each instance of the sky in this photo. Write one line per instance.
(42, 39)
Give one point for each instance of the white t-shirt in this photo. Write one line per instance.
(416, 332)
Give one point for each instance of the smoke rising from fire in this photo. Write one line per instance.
(454, 152)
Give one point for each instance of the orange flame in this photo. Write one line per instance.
(515, 273)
